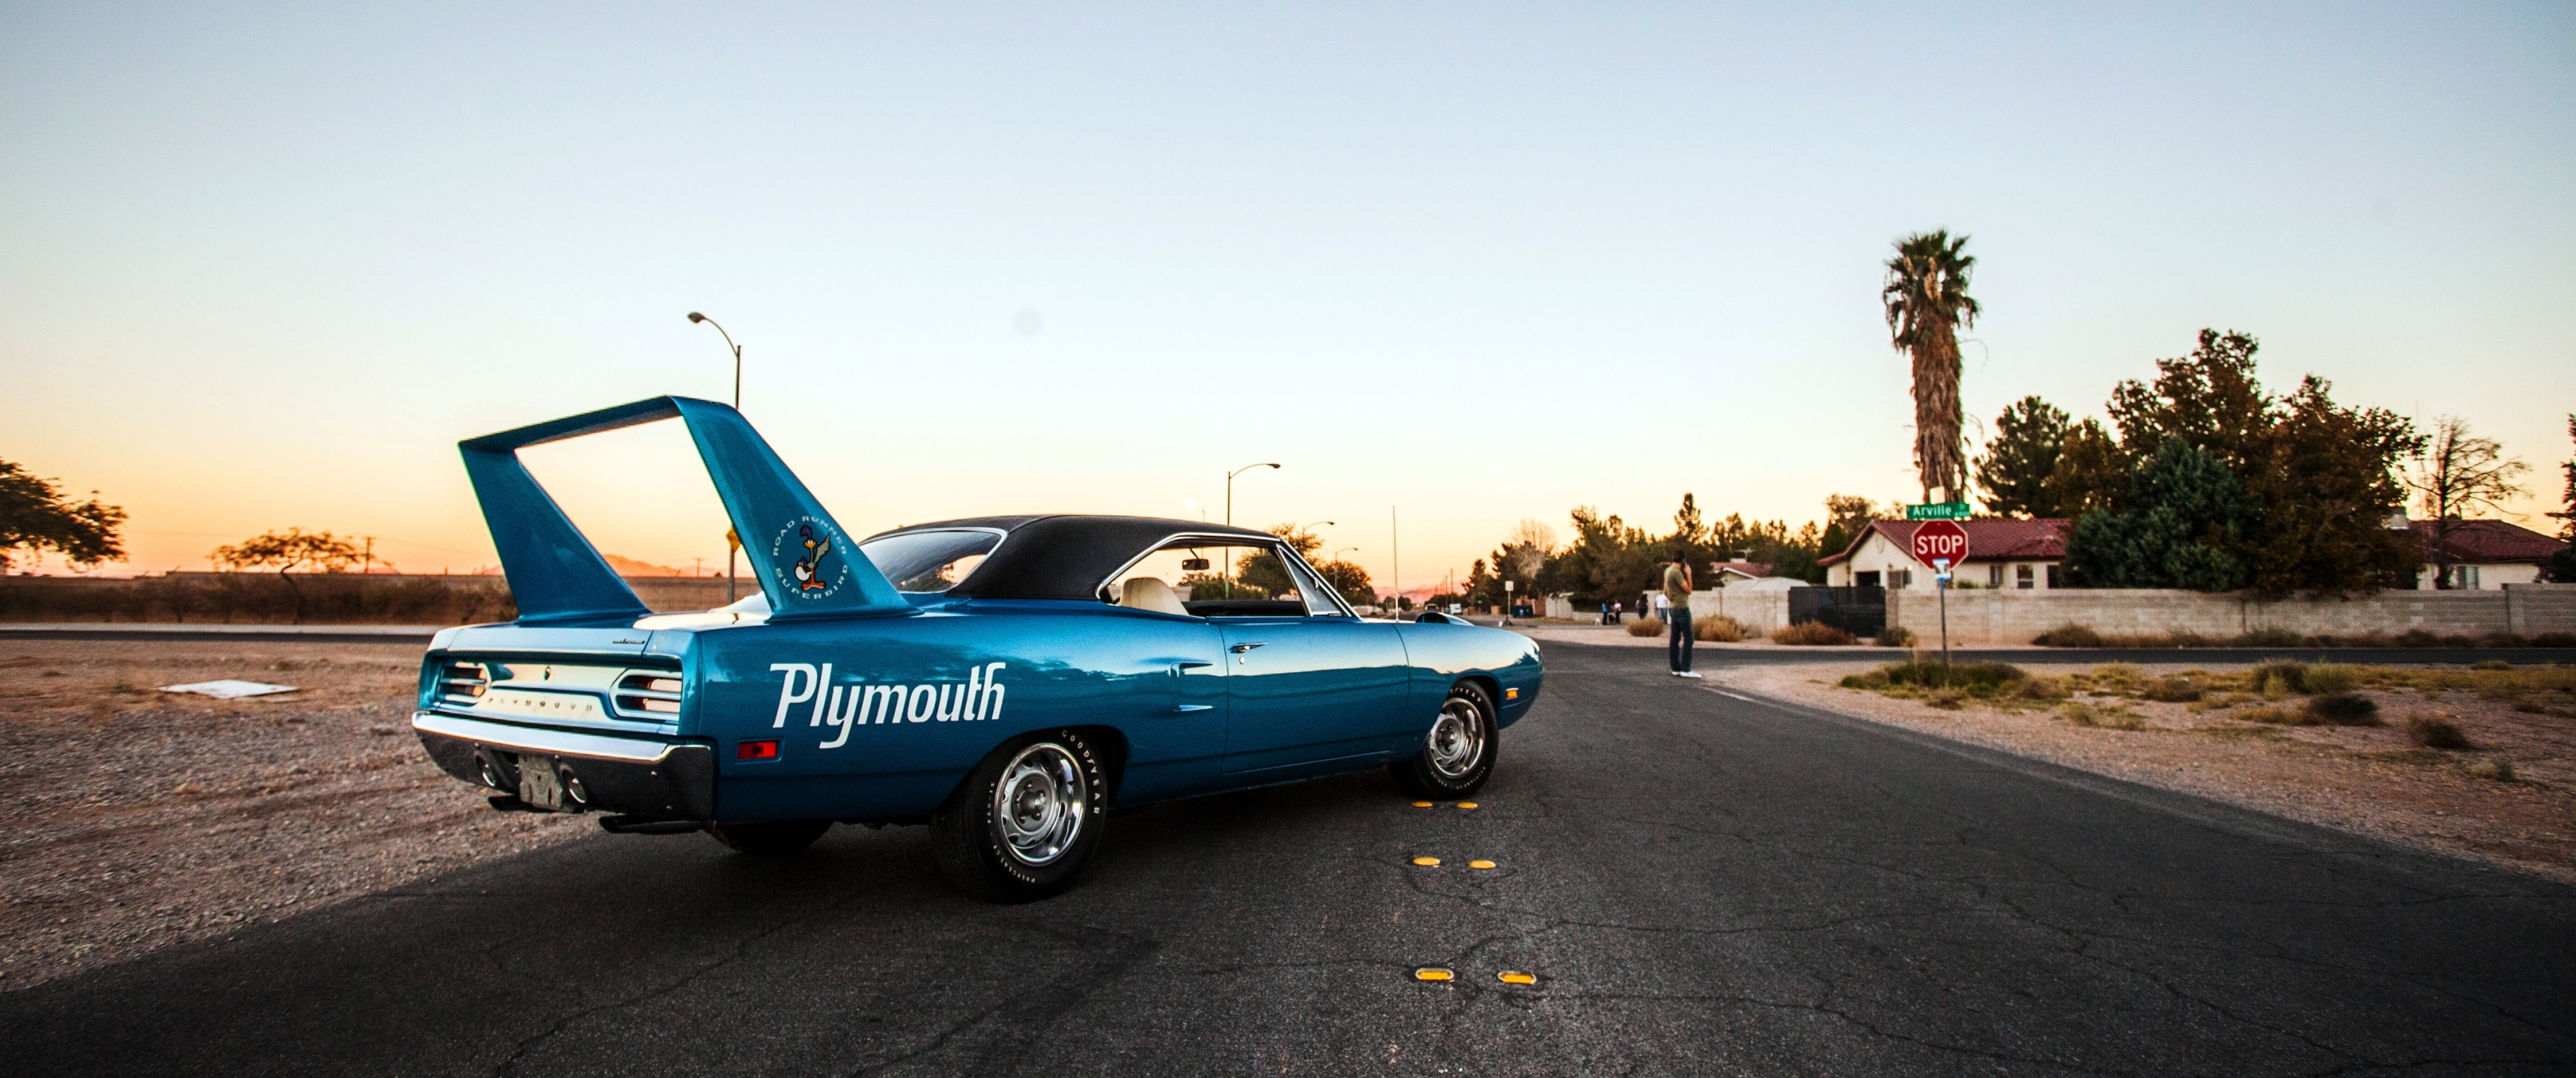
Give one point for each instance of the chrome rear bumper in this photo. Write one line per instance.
(650, 778)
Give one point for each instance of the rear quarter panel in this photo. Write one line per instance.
(1443, 654)
(1061, 664)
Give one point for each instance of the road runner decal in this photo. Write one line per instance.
(844, 707)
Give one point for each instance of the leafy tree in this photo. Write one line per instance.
(1927, 301)
(2029, 438)
(1846, 516)
(2322, 477)
(1264, 574)
(34, 518)
(2209, 398)
(1348, 580)
(2089, 474)
(2561, 567)
(2460, 473)
(288, 550)
(2185, 525)
(2326, 483)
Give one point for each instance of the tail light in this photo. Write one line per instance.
(654, 693)
(463, 682)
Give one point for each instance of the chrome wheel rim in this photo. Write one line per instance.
(1458, 740)
(1039, 805)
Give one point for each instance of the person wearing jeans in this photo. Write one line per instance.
(1676, 595)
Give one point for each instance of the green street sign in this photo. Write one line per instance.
(1938, 511)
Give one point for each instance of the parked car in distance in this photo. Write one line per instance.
(1006, 680)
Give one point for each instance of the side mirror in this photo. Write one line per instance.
(1194, 565)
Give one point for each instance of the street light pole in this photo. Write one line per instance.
(733, 542)
(1228, 575)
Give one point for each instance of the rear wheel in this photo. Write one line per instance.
(1458, 753)
(769, 837)
(1024, 822)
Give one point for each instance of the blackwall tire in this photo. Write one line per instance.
(1458, 752)
(1025, 821)
(769, 837)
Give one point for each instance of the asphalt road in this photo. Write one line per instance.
(1703, 884)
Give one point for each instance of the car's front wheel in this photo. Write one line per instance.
(1024, 822)
(769, 836)
(1458, 753)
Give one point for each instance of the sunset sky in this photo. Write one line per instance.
(265, 265)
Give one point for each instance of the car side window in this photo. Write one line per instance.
(1203, 577)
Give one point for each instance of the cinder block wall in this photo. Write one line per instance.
(2014, 617)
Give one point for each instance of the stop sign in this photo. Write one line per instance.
(1940, 539)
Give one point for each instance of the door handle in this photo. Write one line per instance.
(1241, 648)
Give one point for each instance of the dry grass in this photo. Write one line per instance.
(1719, 629)
(1646, 627)
(2435, 732)
(1813, 633)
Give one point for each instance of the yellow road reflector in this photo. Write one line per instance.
(1513, 976)
(1466, 804)
(1422, 804)
(1432, 973)
(1480, 863)
(1427, 862)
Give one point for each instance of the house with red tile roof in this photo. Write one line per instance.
(2484, 554)
(2004, 554)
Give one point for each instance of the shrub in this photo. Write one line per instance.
(2173, 690)
(1894, 636)
(2289, 676)
(1717, 629)
(2069, 635)
(2549, 640)
(1933, 674)
(1946, 699)
(2416, 638)
(1646, 627)
(1813, 633)
(2189, 640)
(2499, 769)
(2267, 638)
(2331, 678)
(2344, 709)
(2493, 664)
(2077, 712)
(2277, 716)
(2435, 733)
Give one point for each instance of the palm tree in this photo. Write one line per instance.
(1927, 303)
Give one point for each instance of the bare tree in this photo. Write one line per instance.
(1927, 302)
(2459, 474)
(1524, 552)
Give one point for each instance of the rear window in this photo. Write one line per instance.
(929, 560)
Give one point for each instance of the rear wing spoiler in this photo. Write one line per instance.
(806, 565)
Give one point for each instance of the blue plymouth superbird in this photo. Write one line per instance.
(1008, 681)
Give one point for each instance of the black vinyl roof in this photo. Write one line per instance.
(1067, 556)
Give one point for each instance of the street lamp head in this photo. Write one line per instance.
(696, 317)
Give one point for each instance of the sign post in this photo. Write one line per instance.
(1941, 544)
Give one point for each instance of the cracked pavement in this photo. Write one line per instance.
(1703, 884)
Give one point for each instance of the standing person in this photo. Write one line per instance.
(1676, 596)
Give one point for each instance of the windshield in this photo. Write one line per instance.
(929, 560)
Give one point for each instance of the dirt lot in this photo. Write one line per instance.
(2370, 779)
(140, 819)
